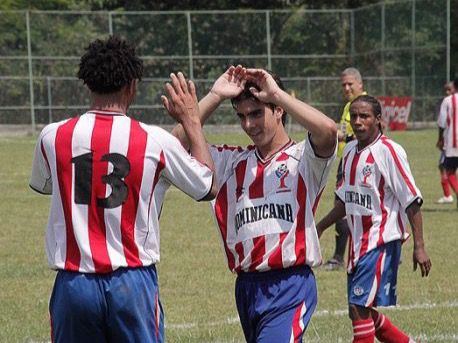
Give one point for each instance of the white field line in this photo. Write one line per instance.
(326, 313)
(319, 313)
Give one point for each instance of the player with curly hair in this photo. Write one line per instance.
(378, 196)
(107, 175)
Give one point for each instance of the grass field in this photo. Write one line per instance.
(196, 287)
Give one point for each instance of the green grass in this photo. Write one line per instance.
(196, 287)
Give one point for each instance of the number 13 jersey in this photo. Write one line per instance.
(108, 174)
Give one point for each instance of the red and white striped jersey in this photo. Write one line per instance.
(377, 188)
(448, 120)
(108, 174)
(265, 208)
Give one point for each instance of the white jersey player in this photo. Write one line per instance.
(107, 175)
(448, 136)
(378, 196)
(265, 205)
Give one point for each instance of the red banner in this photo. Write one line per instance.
(395, 111)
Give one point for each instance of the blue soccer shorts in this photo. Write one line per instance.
(373, 282)
(276, 306)
(122, 306)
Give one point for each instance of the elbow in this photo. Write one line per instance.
(330, 130)
(212, 193)
(328, 135)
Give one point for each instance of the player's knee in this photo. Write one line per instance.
(356, 312)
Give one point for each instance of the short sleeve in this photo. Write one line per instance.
(223, 157)
(443, 113)
(183, 170)
(395, 167)
(40, 179)
(319, 166)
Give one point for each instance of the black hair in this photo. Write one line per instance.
(246, 94)
(375, 104)
(455, 84)
(108, 65)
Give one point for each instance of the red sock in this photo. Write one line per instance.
(452, 180)
(386, 332)
(363, 331)
(445, 185)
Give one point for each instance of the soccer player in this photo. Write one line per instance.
(447, 198)
(378, 194)
(352, 87)
(107, 174)
(448, 136)
(268, 193)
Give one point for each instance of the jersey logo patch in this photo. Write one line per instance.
(282, 172)
(358, 291)
(366, 173)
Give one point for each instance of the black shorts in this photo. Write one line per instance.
(442, 159)
(451, 163)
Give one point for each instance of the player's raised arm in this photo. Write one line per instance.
(182, 106)
(420, 257)
(323, 129)
(228, 85)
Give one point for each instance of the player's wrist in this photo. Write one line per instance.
(215, 96)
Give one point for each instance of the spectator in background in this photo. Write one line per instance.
(352, 86)
(448, 136)
(447, 198)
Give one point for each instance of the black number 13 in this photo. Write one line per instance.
(83, 180)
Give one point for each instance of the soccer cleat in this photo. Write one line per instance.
(333, 264)
(445, 200)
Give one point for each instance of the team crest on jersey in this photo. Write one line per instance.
(282, 172)
(366, 173)
(358, 291)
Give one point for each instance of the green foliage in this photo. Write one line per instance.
(222, 39)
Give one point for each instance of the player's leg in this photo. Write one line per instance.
(135, 312)
(372, 283)
(290, 305)
(341, 239)
(363, 325)
(342, 229)
(451, 165)
(77, 309)
(245, 296)
(447, 197)
(278, 305)
(385, 331)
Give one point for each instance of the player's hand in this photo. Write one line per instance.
(230, 84)
(420, 258)
(440, 144)
(270, 90)
(181, 102)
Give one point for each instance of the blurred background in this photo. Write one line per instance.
(402, 48)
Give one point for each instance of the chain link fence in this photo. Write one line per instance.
(402, 48)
